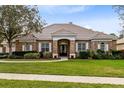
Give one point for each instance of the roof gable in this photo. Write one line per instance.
(29, 38)
(63, 31)
(81, 33)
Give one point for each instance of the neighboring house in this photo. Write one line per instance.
(120, 44)
(65, 40)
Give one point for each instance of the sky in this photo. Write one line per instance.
(101, 18)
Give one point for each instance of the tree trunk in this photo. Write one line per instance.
(10, 48)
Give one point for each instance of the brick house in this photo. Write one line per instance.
(64, 40)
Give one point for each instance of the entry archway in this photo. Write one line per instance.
(63, 47)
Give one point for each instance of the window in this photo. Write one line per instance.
(27, 47)
(44, 47)
(102, 46)
(81, 46)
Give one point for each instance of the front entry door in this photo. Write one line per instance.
(63, 50)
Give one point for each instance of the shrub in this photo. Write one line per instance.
(122, 55)
(22, 53)
(99, 51)
(90, 54)
(15, 57)
(41, 54)
(97, 56)
(83, 54)
(47, 55)
(4, 55)
(116, 52)
(32, 56)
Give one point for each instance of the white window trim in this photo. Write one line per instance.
(39, 48)
(76, 46)
(45, 42)
(50, 47)
(23, 47)
(106, 46)
(30, 49)
(86, 43)
(98, 46)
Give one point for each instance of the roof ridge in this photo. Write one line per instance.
(64, 30)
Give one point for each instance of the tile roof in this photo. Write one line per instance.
(70, 29)
(29, 37)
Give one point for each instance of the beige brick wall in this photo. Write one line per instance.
(55, 47)
(72, 47)
(19, 45)
(111, 44)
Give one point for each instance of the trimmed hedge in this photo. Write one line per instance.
(83, 54)
(22, 53)
(32, 56)
(3, 55)
(99, 54)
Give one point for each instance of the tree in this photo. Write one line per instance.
(113, 34)
(17, 19)
(120, 11)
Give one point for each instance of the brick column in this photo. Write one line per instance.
(55, 49)
(94, 45)
(34, 46)
(72, 49)
(18, 46)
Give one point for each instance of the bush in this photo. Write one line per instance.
(41, 54)
(90, 54)
(99, 51)
(83, 54)
(15, 57)
(117, 54)
(97, 56)
(22, 53)
(32, 56)
(4, 55)
(47, 55)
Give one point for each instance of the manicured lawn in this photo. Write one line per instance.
(46, 84)
(77, 67)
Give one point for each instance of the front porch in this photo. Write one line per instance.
(64, 48)
(64, 44)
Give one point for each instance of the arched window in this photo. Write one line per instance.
(102, 46)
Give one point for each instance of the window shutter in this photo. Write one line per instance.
(50, 47)
(98, 46)
(30, 47)
(106, 47)
(87, 46)
(23, 47)
(39, 47)
(76, 47)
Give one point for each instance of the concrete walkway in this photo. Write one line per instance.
(30, 61)
(60, 78)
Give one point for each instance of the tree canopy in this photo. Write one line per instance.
(120, 11)
(17, 19)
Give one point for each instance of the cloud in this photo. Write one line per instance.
(62, 9)
(107, 25)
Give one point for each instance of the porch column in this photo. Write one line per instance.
(55, 49)
(72, 49)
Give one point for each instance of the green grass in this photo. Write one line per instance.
(46, 84)
(76, 67)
